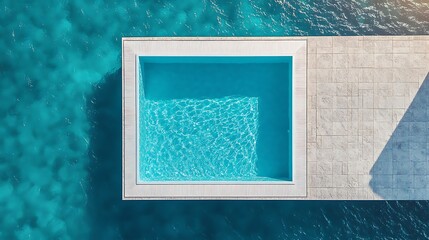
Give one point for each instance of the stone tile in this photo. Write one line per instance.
(340, 75)
(326, 154)
(364, 181)
(367, 98)
(353, 102)
(401, 165)
(337, 168)
(353, 167)
(324, 75)
(341, 102)
(384, 181)
(354, 75)
(418, 130)
(361, 60)
(383, 115)
(420, 167)
(311, 76)
(401, 60)
(340, 128)
(342, 193)
(421, 194)
(383, 60)
(400, 89)
(321, 180)
(366, 128)
(354, 154)
(345, 169)
(421, 181)
(397, 114)
(383, 46)
(404, 75)
(419, 61)
(401, 194)
(382, 130)
(383, 75)
(367, 115)
(312, 147)
(326, 88)
(401, 47)
(340, 115)
(339, 45)
(324, 60)
(328, 193)
(397, 102)
(352, 181)
(367, 75)
(418, 46)
(369, 46)
(353, 88)
(354, 115)
(342, 89)
(312, 102)
(384, 102)
(339, 143)
(325, 128)
(311, 46)
(324, 42)
(403, 181)
(311, 61)
(324, 50)
(340, 61)
(355, 44)
(324, 167)
(364, 194)
(311, 89)
(325, 101)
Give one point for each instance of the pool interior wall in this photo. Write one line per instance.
(236, 85)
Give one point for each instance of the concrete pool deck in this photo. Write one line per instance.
(367, 117)
(367, 111)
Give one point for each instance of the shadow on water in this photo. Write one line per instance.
(401, 171)
(112, 218)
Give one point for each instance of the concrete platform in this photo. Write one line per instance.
(367, 120)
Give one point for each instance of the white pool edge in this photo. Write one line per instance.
(134, 47)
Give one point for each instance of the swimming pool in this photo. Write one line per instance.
(215, 118)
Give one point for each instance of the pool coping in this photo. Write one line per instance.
(219, 46)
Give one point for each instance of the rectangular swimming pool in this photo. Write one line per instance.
(215, 118)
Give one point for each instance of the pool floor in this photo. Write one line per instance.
(215, 119)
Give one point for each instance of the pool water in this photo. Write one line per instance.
(60, 147)
(215, 118)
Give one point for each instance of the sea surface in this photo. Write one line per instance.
(60, 121)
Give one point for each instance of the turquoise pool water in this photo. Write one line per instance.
(215, 118)
(60, 124)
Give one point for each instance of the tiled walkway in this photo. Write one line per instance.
(368, 117)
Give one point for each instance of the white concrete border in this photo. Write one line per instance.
(134, 47)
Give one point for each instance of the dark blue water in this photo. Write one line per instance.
(265, 151)
(60, 124)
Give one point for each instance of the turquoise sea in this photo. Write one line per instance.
(60, 121)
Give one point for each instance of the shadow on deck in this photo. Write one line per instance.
(401, 171)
